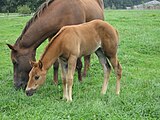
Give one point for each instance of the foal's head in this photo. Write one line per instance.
(37, 77)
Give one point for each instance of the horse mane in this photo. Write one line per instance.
(35, 16)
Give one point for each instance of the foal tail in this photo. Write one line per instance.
(117, 35)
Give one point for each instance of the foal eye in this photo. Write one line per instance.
(36, 77)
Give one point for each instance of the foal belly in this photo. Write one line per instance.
(90, 48)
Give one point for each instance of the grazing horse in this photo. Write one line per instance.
(72, 42)
(46, 22)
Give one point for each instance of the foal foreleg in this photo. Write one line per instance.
(70, 73)
(118, 71)
(55, 69)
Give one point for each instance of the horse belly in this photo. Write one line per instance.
(93, 10)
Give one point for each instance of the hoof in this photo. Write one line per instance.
(118, 92)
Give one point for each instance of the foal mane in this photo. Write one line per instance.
(35, 17)
(51, 42)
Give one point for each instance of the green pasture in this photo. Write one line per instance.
(139, 54)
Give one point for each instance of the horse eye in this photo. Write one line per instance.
(14, 62)
(36, 77)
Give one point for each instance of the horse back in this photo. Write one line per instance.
(93, 9)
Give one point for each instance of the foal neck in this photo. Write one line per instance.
(51, 54)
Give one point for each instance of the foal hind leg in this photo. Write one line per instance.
(63, 77)
(118, 71)
(106, 69)
(86, 64)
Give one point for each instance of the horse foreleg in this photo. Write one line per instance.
(86, 65)
(55, 67)
(79, 68)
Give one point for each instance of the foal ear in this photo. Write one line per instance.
(40, 64)
(11, 47)
(32, 63)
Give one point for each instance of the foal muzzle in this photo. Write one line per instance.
(30, 92)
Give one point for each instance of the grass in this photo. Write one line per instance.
(139, 54)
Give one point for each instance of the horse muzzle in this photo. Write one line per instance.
(20, 85)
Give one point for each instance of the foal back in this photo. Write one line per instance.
(86, 38)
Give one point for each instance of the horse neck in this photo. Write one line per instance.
(40, 27)
(51, 54)
(34, 36)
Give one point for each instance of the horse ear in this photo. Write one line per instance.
(11, 47)
(40, 64)
(32, 63)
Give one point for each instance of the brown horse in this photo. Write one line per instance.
(72, 42)
(47, 21)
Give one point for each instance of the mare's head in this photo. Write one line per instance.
(37, 77)
(21, 66)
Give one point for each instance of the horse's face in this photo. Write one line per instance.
(37, 77)
(21, 67)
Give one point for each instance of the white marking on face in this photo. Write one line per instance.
(33, 88)
(27, 89)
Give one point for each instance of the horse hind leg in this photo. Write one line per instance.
(55, 70)
(86, 66)
(106, 69)
(118, 71)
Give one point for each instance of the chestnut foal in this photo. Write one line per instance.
(72, 42)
